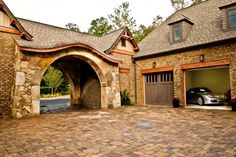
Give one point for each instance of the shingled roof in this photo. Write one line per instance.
(207, 28)
(48, 37)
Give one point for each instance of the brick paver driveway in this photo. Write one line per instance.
(128, 131)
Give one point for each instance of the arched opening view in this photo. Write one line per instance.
(69, 83)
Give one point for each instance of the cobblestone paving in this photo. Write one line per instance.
(128, 131)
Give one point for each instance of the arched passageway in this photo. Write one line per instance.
(85, 86)
(94, 81)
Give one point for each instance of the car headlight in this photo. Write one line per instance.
(210, 96)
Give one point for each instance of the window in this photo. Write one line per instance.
(177, 33)
(232, 18)
(123, 42)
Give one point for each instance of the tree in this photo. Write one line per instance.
(73, 27)
(53, 78)
(194, 2)
(143, 31)
(99, 27)
(179, 4)
(121, 17)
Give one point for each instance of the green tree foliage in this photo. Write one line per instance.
(180, 4)
(194, 2)
(121, 17)
(143, 31)
(99, 27)
(73, 27)
(53, 78)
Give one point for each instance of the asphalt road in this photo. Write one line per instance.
(54, 105)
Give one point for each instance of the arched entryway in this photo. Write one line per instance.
(94, 80)
(85, 85)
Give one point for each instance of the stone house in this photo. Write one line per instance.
(194, 43)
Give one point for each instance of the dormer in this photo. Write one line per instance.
(180, 29)
(228, 16)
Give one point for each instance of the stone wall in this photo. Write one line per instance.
(176, 60)
(126, 74)
(30, 68)
(7, 54)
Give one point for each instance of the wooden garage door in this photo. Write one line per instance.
(159, 88)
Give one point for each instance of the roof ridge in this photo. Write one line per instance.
(58, 27)
(122, 28)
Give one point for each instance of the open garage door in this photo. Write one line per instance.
(207, 87)
(159, 88)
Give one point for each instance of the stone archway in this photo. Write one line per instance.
(32, 67)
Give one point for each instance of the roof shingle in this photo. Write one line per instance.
(207, 28)
(47, 36)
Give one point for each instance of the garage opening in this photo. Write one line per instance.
(208, 88)
(159, 88)
(79, 87)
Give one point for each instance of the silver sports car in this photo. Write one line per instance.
(202, 96)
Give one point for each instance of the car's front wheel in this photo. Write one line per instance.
(200, 101)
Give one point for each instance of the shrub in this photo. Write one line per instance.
(125, 99)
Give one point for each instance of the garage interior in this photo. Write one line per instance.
(217, 79)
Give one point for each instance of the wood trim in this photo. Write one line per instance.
(124, 52)
(48, 50)
(184, 89)
(159, 69)
(124, 70)
(142, 90)
(205, 64)
(9, 30)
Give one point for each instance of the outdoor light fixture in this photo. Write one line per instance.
(154, 64)
(201, 57)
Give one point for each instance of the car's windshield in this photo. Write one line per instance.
(202, 90)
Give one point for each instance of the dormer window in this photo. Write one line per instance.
(177, 33)
(123, 42)
(180, 29)
(228, 15)
(232, 18)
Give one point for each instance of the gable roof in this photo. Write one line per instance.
(48, 37)
(15, 22)
(207, 28)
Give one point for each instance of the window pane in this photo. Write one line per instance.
(177, 33)
(232, 18)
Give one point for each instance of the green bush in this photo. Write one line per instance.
(125, 99)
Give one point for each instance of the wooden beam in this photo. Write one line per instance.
(205, 64)
(9, 30)
(124, 52)
(155, 70)
(142, 90)
(124, 70)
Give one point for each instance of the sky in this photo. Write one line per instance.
(82, 12)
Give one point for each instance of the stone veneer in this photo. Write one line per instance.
(31, 66)
(227, 51)
(7, 57)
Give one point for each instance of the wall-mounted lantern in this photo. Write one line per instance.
(154, 64)
(202, 57)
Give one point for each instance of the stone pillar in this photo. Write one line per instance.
(112, 89)
(179, 84)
